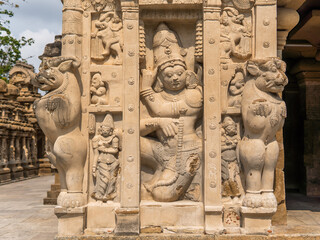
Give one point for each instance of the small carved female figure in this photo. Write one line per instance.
(173, 97)
(99, 90)
(229, 163)
(263, 114)
(105, 161)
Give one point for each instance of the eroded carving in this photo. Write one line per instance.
(106, 164)
(99, 90)
(263, 113)
(172, 95)
(230, 169)
(108, 28)
(59, 116)
(235, 38)
(235, 89)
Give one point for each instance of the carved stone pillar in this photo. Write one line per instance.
(127, 216)
(14, 162)
(24, 157)
(72, 28)
(212, 152)
(307, 72)
(18, 151)
(4, 170)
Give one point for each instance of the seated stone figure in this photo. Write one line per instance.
(263, 113)
(173, 97)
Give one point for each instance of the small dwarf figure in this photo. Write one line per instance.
(229, 164)
(235, 89)
(99, 90)
(105, 167)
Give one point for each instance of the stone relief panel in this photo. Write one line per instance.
(230, 167)
(107, 39)
(236, 34)
(106, 165)
(235, 88)
(99, 90)
(171, 96)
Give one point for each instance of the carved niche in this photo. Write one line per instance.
(107, 37)
(172, 96)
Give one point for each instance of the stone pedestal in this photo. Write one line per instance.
(5, 175)
(257, 220)
(101, 217)
(127, 221)
(45, 167)
(54, 191)
(181, 217)
(71, 221)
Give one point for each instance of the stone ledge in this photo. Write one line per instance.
(197, 237)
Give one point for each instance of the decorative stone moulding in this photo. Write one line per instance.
(162, 116)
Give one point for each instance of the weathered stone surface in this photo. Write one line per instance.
(163, 118)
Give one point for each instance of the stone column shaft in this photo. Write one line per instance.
(212, 113)
(127, 219)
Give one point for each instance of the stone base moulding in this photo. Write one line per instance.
(180, 217)
(127, 221)
(71, 221)
(257, 220)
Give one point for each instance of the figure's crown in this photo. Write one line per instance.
(166, 47)
(108, 121)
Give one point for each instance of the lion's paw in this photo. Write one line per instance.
(269, 200)
(70, 200)
(252, 200)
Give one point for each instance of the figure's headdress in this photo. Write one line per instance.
(108, 121)
(227, 121)
(167, 48)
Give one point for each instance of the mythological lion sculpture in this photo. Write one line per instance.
(59, 116)
(263, 113)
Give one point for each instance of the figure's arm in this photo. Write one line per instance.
(115, 146)
(169, 126)
(148, 125)
(95, 161)
(153, 100)
(100, 91)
